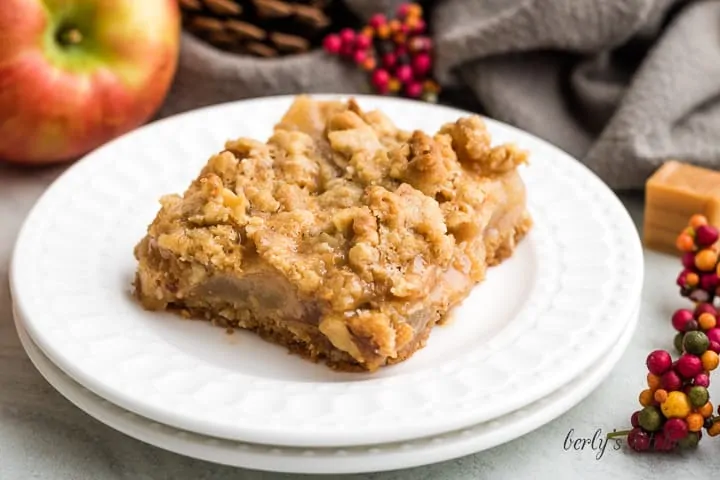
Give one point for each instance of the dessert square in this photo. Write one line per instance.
(342, 237)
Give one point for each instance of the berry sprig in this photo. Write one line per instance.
(699, 280)
(396, 53)
(676, 404)
(704, 318)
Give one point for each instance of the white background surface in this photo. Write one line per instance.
(43, 436)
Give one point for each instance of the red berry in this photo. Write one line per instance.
(389, 60)
(422, 64)
(638, 440)
(347, 50)
(714, 346)
(670, 381)
(661, 443)
(401, 50)
(675, 429)
(404, 73)
(380, 79)
(659, 361)
(713, 335)
(701, 380)
(680, 319)
(705, 308)
(362, 42)
(403, 10)
(419, 26)
(681, 280)
(706, 235)
(359, 56)
(377, 20)
(634, 419)
(332, 43)
(689, 365)
(413, 89)
(347, 36)
(688, 260)
(709, 281)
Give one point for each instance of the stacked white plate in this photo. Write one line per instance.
(529, 343)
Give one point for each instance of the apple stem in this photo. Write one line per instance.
(71, 36)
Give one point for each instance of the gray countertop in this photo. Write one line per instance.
(44, 436)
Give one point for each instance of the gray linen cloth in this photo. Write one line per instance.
(622, 85)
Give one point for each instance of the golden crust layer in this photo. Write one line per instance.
(342, 237)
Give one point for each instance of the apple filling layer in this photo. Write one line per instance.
(342, 237)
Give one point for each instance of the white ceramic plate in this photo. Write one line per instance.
(539, 320)
(333, 461)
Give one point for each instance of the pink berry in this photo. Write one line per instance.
(670, 381)
(389, 60)
(706, 235)
(634, 419)
(332, 43)
(713, 334)
(422, 64)
(362, 42)
(380, 79)
(638, 440)
(680, 319)
(414, 89)
(377, 20)
(658, 362)
(714, 346)
(347, 36)
(675, 429)
(403, 10)
(404, 73)
(661, 443)
(699, 295)
(704, 308)
(701, 380)
(688, 260)
(423, 44)
(359, 56)
(689, 365)
(420, 26)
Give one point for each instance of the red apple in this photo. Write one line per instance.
(77, 73)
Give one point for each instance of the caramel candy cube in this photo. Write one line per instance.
(674, 193)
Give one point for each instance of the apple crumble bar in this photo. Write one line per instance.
(343, 237)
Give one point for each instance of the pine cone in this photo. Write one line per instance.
(264, 28)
